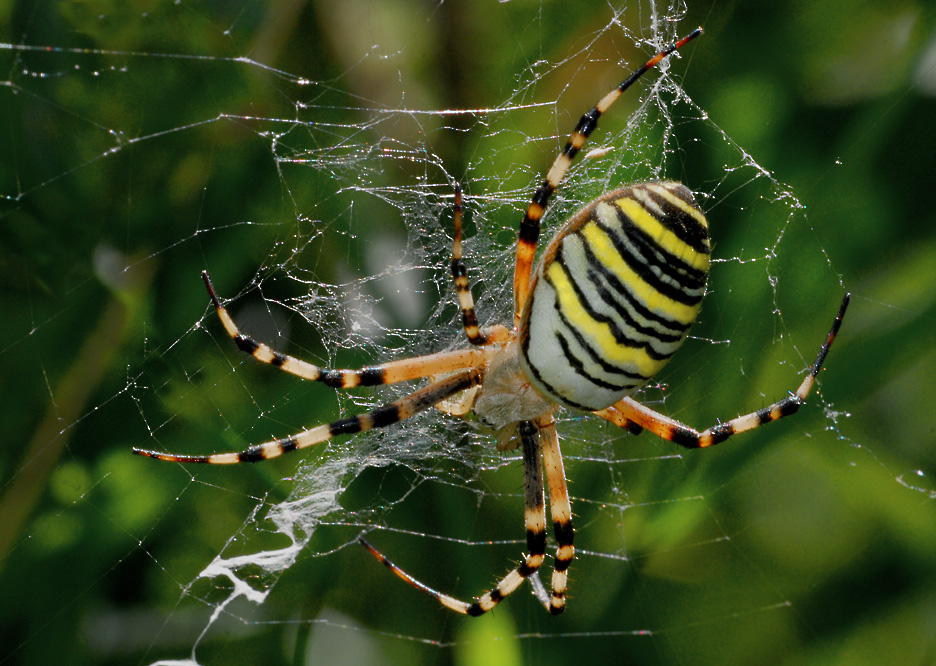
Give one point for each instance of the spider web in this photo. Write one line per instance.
(307, 158)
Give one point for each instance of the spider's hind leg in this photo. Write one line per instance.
(535, 521)
(629, 413)
(561, 511)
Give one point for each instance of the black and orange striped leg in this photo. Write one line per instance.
(535, 520)
(387, 373)
(629, 412)
(460, 275)
(381, 417)
(561, 511)
(530, 225)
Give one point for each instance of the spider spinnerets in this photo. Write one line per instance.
(610, 302)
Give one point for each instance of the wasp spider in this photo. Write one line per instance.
(611, 300)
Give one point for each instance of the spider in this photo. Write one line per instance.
(611, 300)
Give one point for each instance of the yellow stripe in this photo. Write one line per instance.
(599, 333)
(662, 236)
(611, 259)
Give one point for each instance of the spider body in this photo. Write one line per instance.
(611, 300)
(615, 294)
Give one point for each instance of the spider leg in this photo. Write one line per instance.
(535, 520)
(386, 415)
(387, 373)
(561, 511)
(476, 336)
(629, 412)
(530, 225)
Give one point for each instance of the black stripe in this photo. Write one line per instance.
(618, 288)
(386, 415)
(675, 267)
(588, 122)
(458, 268)
(279, 358)
(532, 469)
(469, 319)
(580, 368)
(440, 390)
(530, 228)
(345, 426)
(789, 405)
(542, 194)
(246, 343)
(654, 255)
(686, 227)
(633, 428)
(251, 454)
(593, 355)
(288, 445)
(720, 433)
(563, 533)
(529, 231)
(642, 265)
(684, 436)
(333, 378)
(609, 288)
(620, 336)
(607, 297)
(536, 542)
(372, 376)
(537, 375)
(763, 416)
(570, 150)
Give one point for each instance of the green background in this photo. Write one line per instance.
(811, 541)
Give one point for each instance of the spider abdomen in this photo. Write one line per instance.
(615, 294)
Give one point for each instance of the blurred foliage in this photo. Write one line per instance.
(814, 542)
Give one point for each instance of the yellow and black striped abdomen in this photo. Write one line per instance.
(615, 294)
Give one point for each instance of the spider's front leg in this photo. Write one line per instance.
(476, 335)
(530, 224)
(377, 375)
